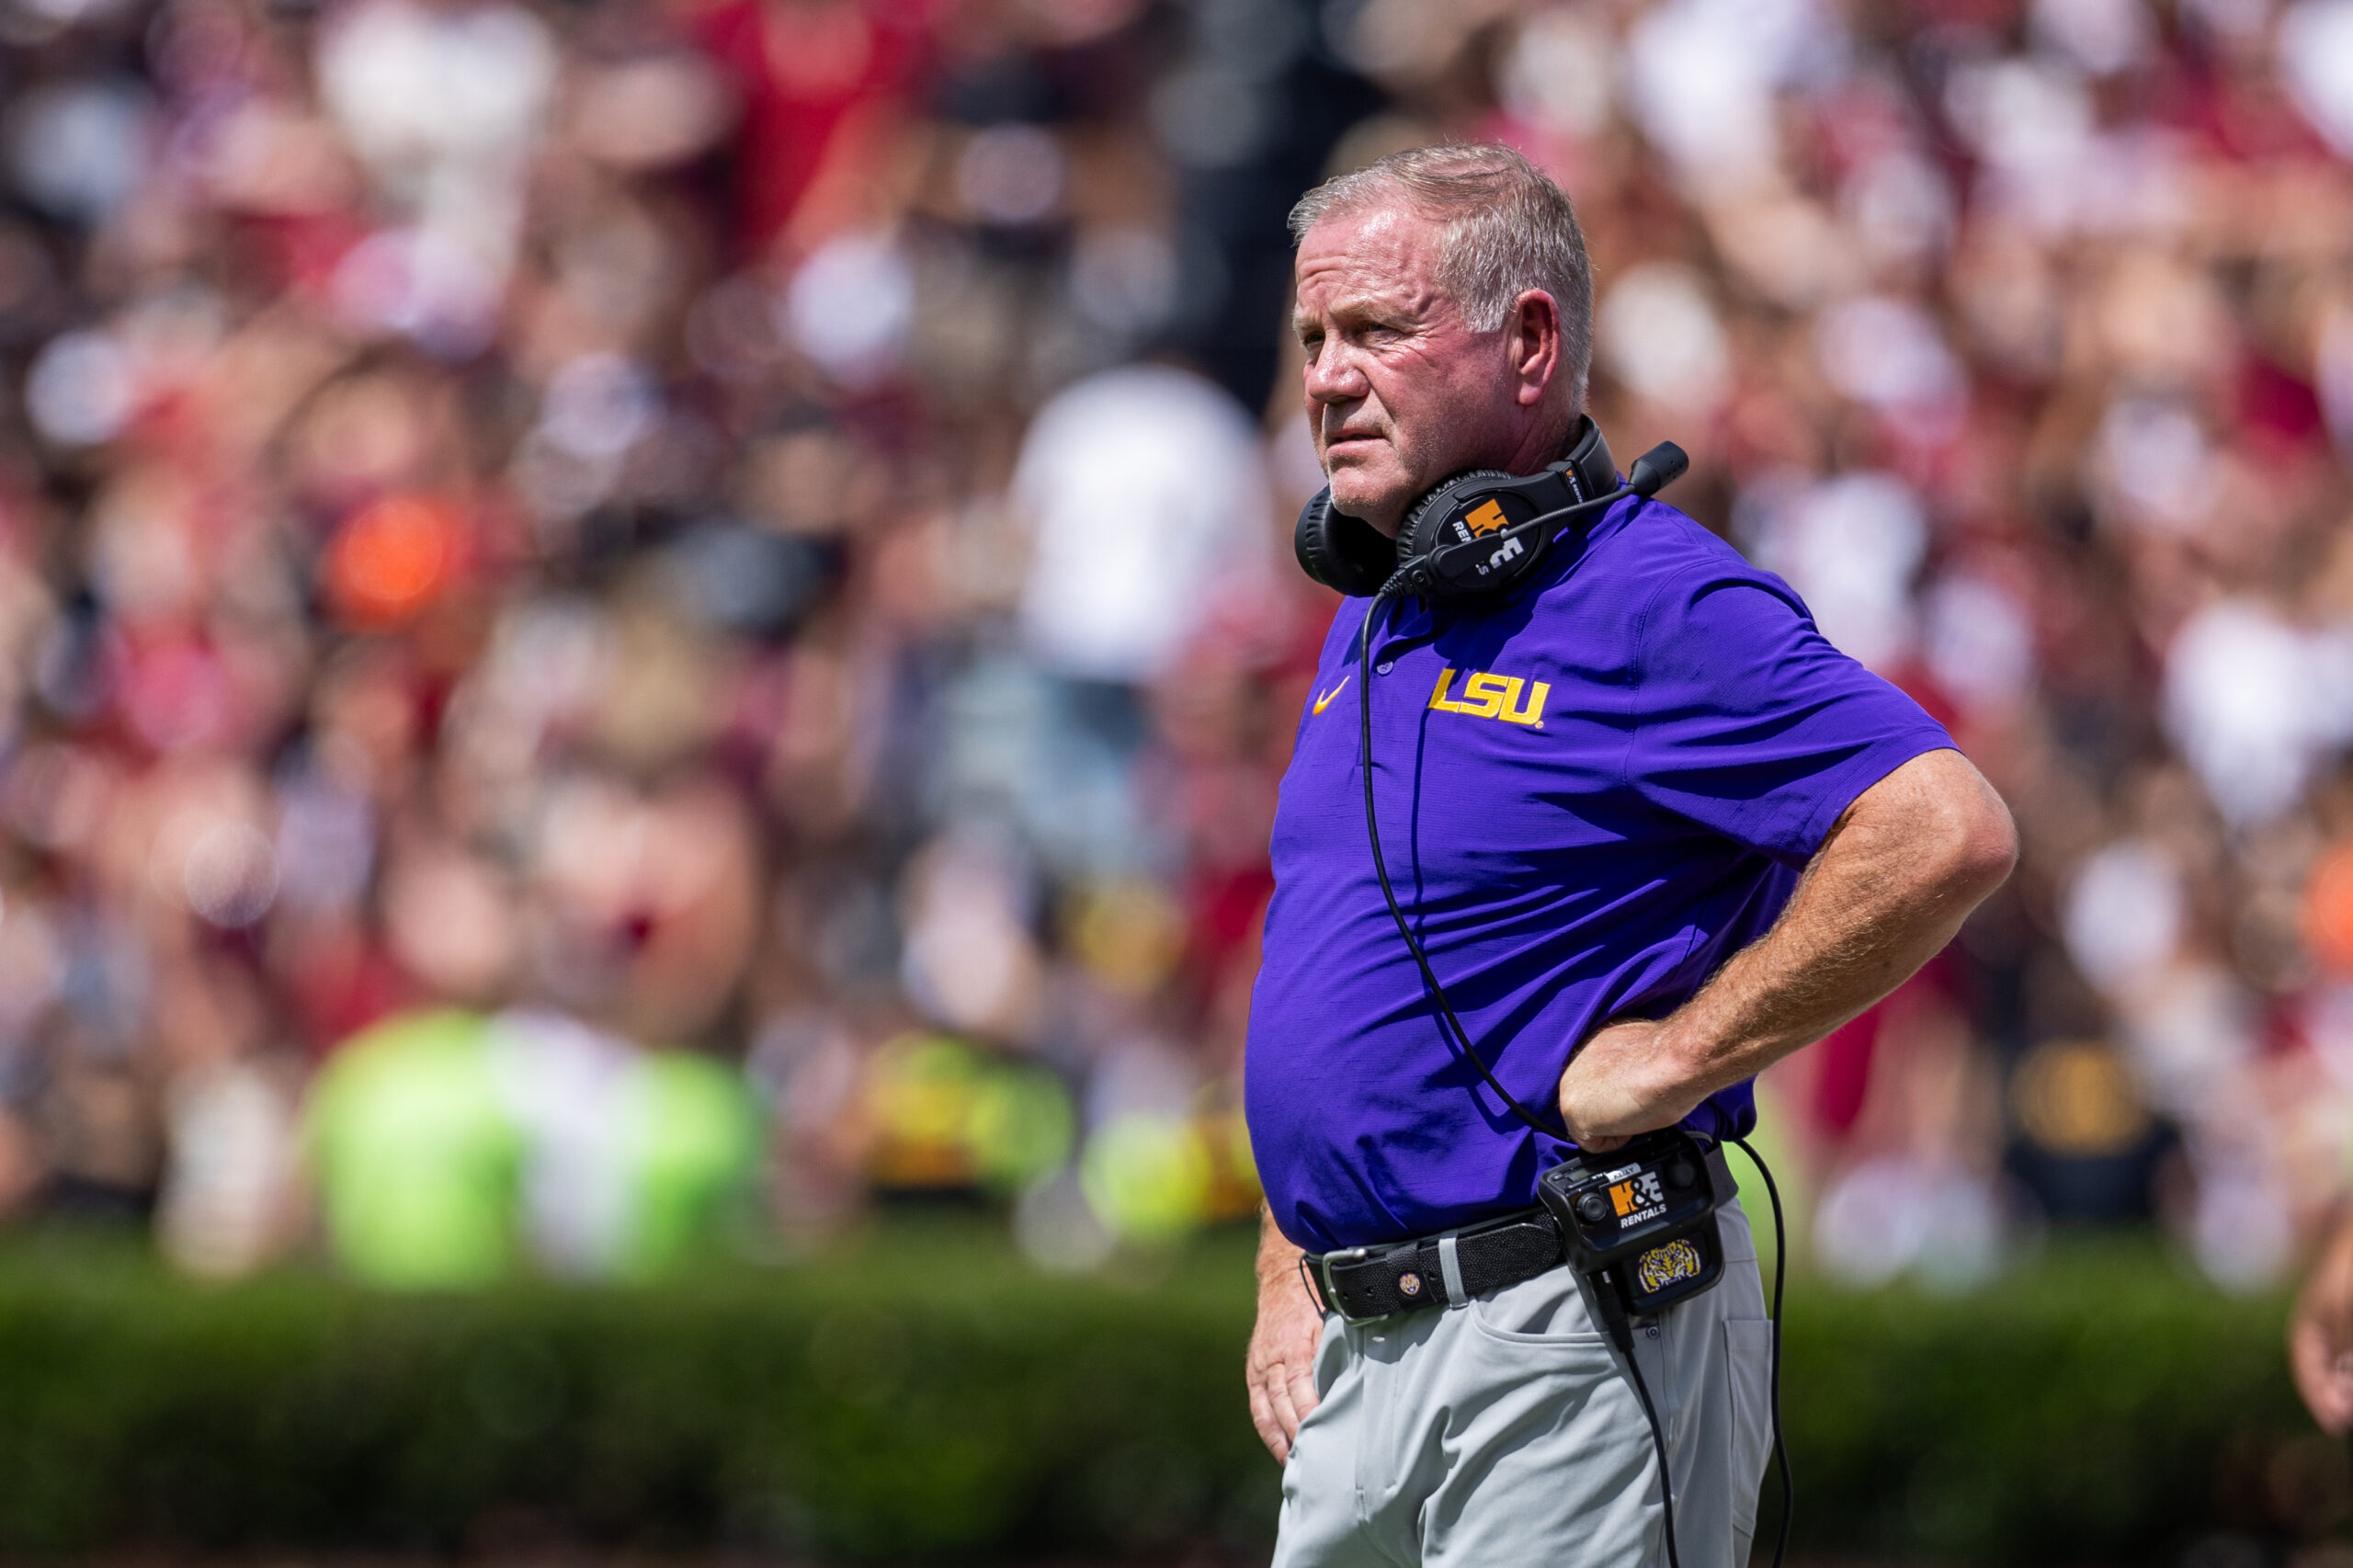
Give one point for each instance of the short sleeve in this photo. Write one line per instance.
(1748, 723)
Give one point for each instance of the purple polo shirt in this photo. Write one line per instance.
(1590, 796)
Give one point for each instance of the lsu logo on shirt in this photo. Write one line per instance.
(1493, 697)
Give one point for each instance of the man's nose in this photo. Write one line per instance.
(1334, 376)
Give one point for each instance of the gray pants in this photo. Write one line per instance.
(1505, 1431)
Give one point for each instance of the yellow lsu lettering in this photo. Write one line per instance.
(1493, 697)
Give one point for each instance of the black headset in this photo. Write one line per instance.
(1477, 535)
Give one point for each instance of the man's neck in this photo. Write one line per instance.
(1545, 442)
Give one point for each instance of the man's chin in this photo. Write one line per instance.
(1365, 496)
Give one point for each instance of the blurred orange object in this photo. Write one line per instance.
(391, 558)
(2328, 910)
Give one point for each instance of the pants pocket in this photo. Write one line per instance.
(1748, 1350)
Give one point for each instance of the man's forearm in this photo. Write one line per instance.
(1890, 887)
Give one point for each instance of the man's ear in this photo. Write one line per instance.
(1536, 358)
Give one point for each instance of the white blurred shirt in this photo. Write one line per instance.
(1147, 491)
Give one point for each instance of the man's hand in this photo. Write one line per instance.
(1622, 1083)
(1281, 1364)
(1892, 881)
(2319, 1331)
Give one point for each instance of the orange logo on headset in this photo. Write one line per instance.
(1486, 517)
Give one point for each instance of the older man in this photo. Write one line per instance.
(1710, 839)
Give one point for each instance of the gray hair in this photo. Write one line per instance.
(1508, 229)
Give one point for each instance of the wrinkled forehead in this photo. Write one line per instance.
(1384, 254)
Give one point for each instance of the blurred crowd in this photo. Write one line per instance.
(635, 624)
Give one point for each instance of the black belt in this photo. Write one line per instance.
(1443, 1270)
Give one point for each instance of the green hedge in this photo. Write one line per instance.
(2101, 1405)
(923, 1394)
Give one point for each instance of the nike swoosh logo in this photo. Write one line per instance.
(1325, 700)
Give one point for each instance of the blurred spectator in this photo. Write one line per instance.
(576, 566)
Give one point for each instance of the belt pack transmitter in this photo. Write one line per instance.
(1640, 1220)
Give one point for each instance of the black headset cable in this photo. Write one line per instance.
(1611, 1313)
(1460, 1037)
(1780, 1271)
(1658, 467)
(1658, 1442)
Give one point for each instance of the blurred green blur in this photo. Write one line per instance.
(920, 1391)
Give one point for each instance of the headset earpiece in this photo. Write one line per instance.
(1589, 462)
(1341, 551)
(1480, 534)
(1466, 508)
